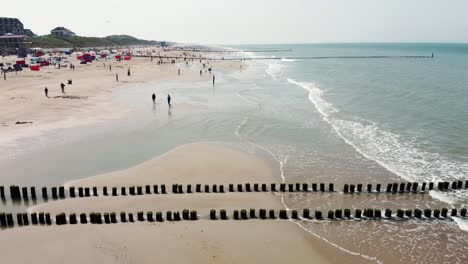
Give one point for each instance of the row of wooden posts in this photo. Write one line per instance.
(25, 219)
(340, 214)
(18, 193)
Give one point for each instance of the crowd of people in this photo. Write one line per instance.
(161, 60)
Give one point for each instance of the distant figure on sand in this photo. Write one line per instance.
(128, 73)
(214, 80)
(46, 91)
(110, 67)
(178, 72)
(63, 87)
(116, 77)
(169, 100)
(200, 72)
(154, 98)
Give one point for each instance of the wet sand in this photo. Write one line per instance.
(189, 242)
(202, 241)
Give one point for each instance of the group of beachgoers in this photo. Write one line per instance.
(129, 73)
(62, 87)
(168, 99)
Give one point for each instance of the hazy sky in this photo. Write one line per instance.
(252, 21)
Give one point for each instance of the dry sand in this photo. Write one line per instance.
(202, 241)
(87, 100)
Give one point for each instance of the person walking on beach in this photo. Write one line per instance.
(200, 72)
(46, 91)
(128, 73)
(178, 72)
(214, 80)
(63, 87)
(169, 100)
(154, 98)
(110, 67)
(116, 77)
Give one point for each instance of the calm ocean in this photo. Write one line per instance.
(408, 115)
(368, 120)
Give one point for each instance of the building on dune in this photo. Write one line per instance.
(13, 36)
(13, 44)
(13, 26)
(62, 32)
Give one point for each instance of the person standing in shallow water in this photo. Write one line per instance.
(154, 98)
(169, 99)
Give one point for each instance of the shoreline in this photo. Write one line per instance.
(244, 113)
(207, 163)
(26, 112)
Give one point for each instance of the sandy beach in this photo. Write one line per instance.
(234, 132)
(203, 241)
(25, 110)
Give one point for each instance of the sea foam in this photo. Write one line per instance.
(400, 156)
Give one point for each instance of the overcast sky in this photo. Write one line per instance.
(252, 21)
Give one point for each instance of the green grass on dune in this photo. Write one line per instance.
(50, 41)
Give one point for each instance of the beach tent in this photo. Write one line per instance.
(35, 60)
(88, 57)
(34, 68)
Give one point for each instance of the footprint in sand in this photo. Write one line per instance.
(116, 250)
